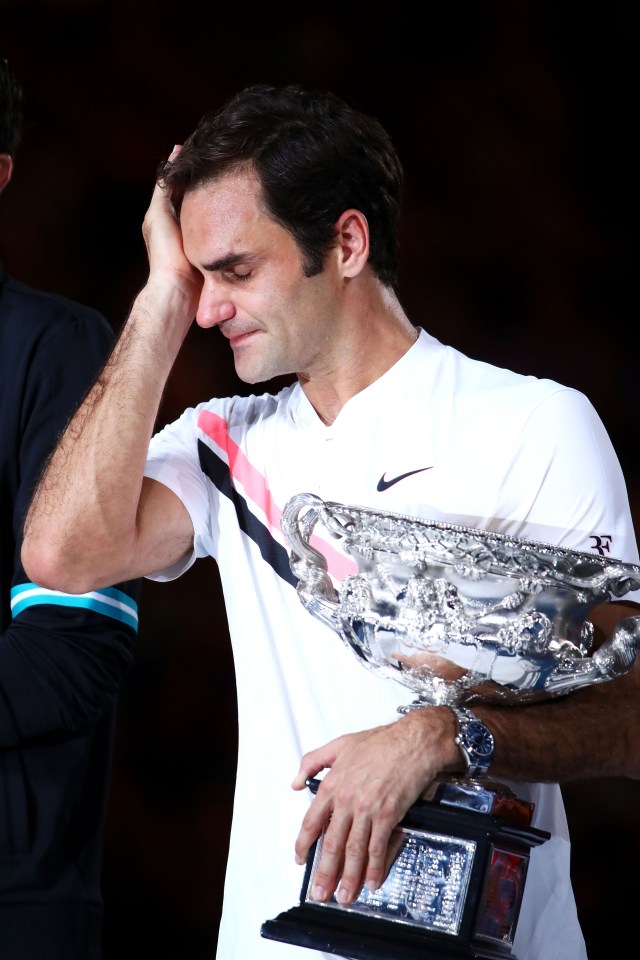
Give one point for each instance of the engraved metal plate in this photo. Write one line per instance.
(426, 886)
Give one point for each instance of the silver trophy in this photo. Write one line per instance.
(459, 616)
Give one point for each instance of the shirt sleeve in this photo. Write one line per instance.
(173, 460)
(564, 467)
(62, 657)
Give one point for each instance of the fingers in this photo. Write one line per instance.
(315, 761)
(373, 778)
(166, 163)
(360, 855)
(163, 239)
(343, 857)
(394, 848)
(174, 285)
(160, 183)
(161, 195)
(380, 855)
(354, 852)
(314, 822)
(358, 841)
(331, 866)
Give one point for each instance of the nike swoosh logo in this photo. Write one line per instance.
(385, 484)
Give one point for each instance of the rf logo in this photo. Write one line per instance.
(601, 543)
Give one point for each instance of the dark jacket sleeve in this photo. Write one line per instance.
(62, 657)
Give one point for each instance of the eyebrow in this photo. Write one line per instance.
(229, 260)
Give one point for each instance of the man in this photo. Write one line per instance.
(62, 657)
(276, 222)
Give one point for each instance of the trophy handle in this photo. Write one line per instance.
(618, 652)
(315, 589)
(612, 659)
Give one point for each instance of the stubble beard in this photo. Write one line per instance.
(261, 365)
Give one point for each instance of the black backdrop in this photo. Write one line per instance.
(512, 118)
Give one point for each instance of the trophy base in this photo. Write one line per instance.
(453, 891)
(303, 927)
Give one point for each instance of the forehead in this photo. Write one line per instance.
(227, 215)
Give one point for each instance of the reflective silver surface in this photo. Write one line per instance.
(456, 613)
(425, 887)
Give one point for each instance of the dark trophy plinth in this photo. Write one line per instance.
(460, 616)
(454, 889)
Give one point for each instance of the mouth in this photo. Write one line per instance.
(237, 338)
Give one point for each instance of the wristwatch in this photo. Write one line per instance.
(475, 740)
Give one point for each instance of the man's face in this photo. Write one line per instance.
(277, 320)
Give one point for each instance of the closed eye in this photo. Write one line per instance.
(233, 267)
(235, 276)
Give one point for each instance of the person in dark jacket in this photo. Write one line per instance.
(62, 657)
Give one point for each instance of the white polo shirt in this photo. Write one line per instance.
(473, 444)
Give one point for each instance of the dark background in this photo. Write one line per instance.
(513, 121)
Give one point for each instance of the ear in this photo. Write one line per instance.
(352, 239)
(6, 169)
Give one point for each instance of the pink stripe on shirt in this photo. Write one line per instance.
(257, 490)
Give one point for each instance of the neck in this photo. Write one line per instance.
(372, 349)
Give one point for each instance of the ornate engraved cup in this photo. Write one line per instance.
(459, 616)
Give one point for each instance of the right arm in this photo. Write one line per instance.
(94, 520)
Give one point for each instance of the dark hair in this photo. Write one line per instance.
(315, 155)
(10, 109)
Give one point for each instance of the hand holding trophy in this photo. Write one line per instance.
(459, 616)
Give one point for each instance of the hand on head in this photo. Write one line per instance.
(163, 239)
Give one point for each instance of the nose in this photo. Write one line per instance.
(213, 310)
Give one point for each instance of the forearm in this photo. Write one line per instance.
(80, 530)
(593, 732)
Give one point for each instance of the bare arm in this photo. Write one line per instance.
(593, 732)
(374, 776)
(93, 519)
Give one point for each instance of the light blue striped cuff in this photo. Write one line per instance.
(109, 601)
